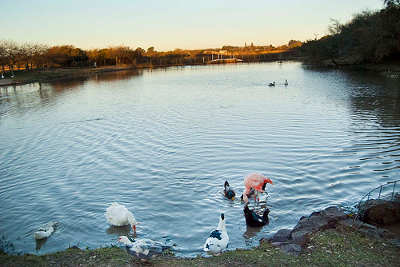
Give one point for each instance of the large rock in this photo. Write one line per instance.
(380, 212)
(291, 249)
(291, 241)
(301, 237)
(283, 235)
(324, 219)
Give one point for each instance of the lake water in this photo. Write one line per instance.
(164, 141)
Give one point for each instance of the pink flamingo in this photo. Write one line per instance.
(254, 181)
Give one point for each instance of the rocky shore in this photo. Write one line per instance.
(329, 237)
(376, 214)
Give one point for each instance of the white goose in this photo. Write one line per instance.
(118, 215)
(142, 248)
(43, 233)
(218, 239)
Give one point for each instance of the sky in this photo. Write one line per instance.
(170, 24)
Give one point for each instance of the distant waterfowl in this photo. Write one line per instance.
(286, 83)
(218, 239)
(45, 232)
(143, 249)
(255, 220)
(229, 193)
(271, 84)
(118, 215)
(256, 181)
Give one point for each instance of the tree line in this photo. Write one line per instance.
(38, 56)
(369, 37)
(29, 57)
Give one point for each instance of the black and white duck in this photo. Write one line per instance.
(143, 249)
(218, 239)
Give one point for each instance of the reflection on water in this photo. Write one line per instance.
(121, 230)
(163, 143)
(40, 243)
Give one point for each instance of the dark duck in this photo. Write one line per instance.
(255, 220)
(228, 191)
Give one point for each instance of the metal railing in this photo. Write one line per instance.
(385, 191)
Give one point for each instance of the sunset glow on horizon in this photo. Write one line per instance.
(172, 24)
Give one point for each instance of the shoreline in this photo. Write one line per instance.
(390, 69)
(336, 238)
(54, 74)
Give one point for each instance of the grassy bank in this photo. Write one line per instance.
(334, 247)
(24, 77)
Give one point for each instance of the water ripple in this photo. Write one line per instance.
(164, 142)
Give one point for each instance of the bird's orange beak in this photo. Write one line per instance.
(269, 181)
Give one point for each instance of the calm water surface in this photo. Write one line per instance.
(164, 141)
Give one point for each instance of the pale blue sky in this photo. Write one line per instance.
(170, 24)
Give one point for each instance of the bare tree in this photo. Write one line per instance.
(3, 59)
(13, 54)
(335, 27)
(35, 55)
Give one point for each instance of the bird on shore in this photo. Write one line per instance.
(229, 193)
(118, 215)
(143, 249)
(254, 181)
(218, 239)
(271, 84)
(286, 82)
(255, 220)
(45, 232)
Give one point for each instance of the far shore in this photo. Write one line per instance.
(26, 77)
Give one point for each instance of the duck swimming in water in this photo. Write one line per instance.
(229, 193)
(118, 215)
(45, 232)
(255, 220)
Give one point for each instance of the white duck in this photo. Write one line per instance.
(218, 239)
(143, 249)
(118, 215)
(43, 233)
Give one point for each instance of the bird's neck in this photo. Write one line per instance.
(222, 226)
(131, 219)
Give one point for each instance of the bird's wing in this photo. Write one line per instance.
(256, 216)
